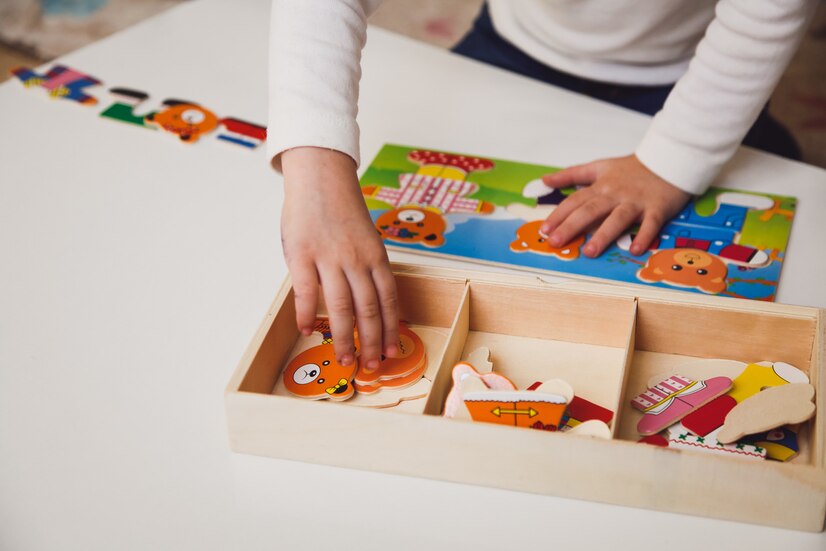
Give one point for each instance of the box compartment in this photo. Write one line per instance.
(604, 340)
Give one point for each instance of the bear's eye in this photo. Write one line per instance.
(702, 271)
(325, 362)
(396, 222)
(676, 267)
(320, 381)
(420, 224)
(541, 240)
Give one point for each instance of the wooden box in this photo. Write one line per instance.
(604, 340)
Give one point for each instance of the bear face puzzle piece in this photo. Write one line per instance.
(412, 225)
(412, 359)
(315, 373)
(672, 399)
(529, 238)
(769, 409)
(690, 268)
(187, 120)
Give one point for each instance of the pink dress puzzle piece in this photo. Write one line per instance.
(670, 400)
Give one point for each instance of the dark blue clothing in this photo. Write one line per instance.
(483, 43)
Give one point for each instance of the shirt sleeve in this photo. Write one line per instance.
(314, 71)
(735, 68)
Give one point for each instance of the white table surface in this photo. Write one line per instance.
(134, 270)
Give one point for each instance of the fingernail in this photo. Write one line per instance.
(306, 331)
(556, 240)
(391, 350)
(590, 249)
(373, 365)
(346, 360)
(544, 231)
(636, 250)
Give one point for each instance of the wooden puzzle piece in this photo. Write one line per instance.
(672, 399)
(123, 110)
(397, 383)
(556, 386)
(691, 268)
(593, 428)
(243, 133)
(749, 382)
(654, 440)
(780, 443)
(454, 404)
(581, 410)
(315, 373)
(448, 165)
(480, 359)
(443, 195)
(529, 238)
(680, 438)
(412, 359)
(769, 409)
(412, 224)
(62, 82)
(392, 397)
(513, 408)
(189, 121)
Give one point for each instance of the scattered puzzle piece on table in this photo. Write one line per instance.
(189, 121)
(780, 444)
(61, 81)
(679, 437)
(751, 380)
(672, 399)
(769, 409)
(123, 110)
(243, 133)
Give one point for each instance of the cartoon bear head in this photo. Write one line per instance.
(412, 224)
(316, 374)
(686, 268)
(187, 120)
(529, 238)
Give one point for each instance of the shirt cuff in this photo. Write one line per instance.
(328, 132)
(677, 163)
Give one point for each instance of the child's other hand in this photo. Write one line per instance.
(329, 239)
(620, 192)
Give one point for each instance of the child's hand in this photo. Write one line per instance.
(329, 239)
(620, 192)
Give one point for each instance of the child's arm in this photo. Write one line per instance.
(326, 231)
(734, 70)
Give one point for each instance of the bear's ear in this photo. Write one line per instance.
(650, 274)
(518, 245)
(715, 286)
(434, 240)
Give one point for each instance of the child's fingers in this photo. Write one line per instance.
(617, 222)
(340, 310)
(573, 175)
(564, 209)
(389, 301)
(580, 219)
(649, 228)
(305, 289)
(368, 318)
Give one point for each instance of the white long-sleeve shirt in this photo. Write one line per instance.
(726, 57)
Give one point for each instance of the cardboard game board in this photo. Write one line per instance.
(726, 242)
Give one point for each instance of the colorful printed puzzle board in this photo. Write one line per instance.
(726, 242)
